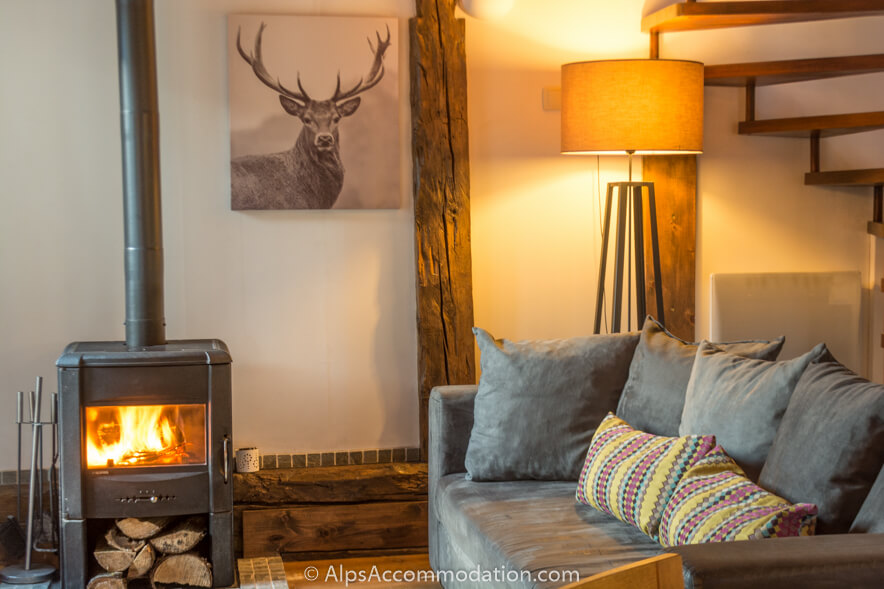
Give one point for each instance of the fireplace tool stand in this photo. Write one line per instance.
(30, 573)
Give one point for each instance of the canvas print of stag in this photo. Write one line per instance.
(314, 112)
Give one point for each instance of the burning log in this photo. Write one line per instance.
(111, 558)
(107, 581)
(143, 562)
(142, 528)
(182, 537)
(163, 456)
(182, 569)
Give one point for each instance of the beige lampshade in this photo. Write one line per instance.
(649, 106)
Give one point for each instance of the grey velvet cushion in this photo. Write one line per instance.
(740, 401)
(653, 397)
(539, 403)
(830, 445)
(870, 518)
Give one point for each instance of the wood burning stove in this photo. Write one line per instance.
(145, 424)
(145, 433)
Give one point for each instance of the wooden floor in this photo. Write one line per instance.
(333, 573)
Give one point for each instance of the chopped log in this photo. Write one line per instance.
(120, 541)
(143, 562)
(112, 559)
(142, 528)
(182, 537)
(107, 581)
(182, 569)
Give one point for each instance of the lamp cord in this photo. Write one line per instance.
(629, 235)
(598, 178)
(630, 195)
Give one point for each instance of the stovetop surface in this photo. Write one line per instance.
(176, 352)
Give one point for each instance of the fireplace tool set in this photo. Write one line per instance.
(39, 537)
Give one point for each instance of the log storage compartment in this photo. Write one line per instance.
(146, 464)
(166, 552)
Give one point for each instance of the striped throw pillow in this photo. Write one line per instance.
(631, 474)
(715, 502)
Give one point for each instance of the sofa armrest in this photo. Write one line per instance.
(450, 423)
(832, 560)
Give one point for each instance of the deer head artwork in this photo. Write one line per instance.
(310, 175)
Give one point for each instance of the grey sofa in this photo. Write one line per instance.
(519, 531)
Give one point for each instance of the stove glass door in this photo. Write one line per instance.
(122, 436)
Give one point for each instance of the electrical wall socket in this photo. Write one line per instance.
(552, 98)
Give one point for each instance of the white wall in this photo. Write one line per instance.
(317, 306)
(535, 212)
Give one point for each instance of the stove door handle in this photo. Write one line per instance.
(226, 470)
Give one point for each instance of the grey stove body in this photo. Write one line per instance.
(187, 383)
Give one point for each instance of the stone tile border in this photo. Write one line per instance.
(7, 477)
(339, 458)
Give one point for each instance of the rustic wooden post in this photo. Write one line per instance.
(446, 352)
(675, 180)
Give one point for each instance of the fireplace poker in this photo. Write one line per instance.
(35, 495)
(19, 417)
(38, 507)
(49, 536)
(17, 574)
(53, 472)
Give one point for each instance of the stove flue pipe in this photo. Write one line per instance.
(139, 127)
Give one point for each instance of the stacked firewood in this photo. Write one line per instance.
(160, 549)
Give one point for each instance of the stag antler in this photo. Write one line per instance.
(257, 62)
(374, 74)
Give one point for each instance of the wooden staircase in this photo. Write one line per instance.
(692, 16)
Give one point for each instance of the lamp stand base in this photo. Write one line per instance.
(629, 194)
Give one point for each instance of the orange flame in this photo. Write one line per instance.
(138, 435)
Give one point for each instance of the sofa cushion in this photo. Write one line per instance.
(715, 502)
(631, 474)
(653, 397)
(741, 401)
(830, 445)
(539, 402)
(870, 518)
(533, 526)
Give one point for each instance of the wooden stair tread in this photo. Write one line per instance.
(766, 73)
(868, 177)
(826, 125)
(693, 16)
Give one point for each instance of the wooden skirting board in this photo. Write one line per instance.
(331, 510)
(332, 484)
(332, 528)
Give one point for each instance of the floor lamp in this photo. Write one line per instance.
(631, 107)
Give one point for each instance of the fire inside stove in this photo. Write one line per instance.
(145, 435)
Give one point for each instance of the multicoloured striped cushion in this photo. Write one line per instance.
(715, 502)
(631, 474)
